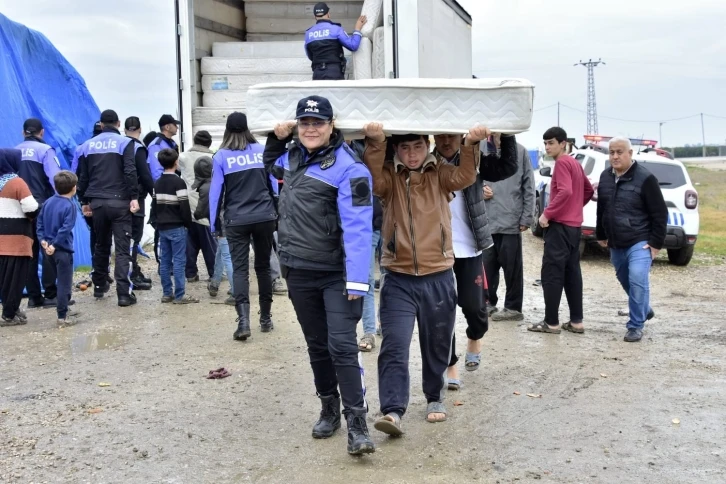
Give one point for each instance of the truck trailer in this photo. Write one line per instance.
(226, 46)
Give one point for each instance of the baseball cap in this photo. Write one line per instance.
(320, 9)
(32, 126)
(167, 119)
(97, 128)
(236, 122)
(132, 123)
(314, 107)
(109, 116)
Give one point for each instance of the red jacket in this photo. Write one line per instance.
(570, 190)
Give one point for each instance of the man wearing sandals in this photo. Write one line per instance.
(471, 237)
(570, 190)
(415, 190)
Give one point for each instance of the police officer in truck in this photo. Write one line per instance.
(324, 44)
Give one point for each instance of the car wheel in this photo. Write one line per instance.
(536, 228)
(682, 256)
(583, 246)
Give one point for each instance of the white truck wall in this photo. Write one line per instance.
(444, 42)
(433, 39)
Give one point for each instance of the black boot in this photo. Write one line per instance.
(139, 282)
(359, 442)
(243, 322)
(127, 300)
(266, 316)
(329, 420)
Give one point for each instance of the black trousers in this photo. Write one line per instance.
(137, 232)
(331, 72)
(112, 218)
(471, 296)
(92, 234)
(405, 299)
(13, 275)
(238, 238)
(32, 283)
(506, 254)
(328, 321)
(199, 238)
(561, 269)
(63, 262)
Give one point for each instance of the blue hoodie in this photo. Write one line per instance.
(56, 221)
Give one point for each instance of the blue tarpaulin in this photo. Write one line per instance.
(36, 81)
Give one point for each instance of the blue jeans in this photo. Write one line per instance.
(173, 248)
(369, 300)
(632, 266)
(222, 263)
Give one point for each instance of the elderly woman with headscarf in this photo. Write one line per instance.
(18, 208)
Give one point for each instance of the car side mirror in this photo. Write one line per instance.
(546, 171)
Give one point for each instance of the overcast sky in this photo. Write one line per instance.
(665, 59)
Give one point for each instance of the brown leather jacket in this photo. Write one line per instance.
(416, 230)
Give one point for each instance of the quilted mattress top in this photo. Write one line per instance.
(425, 106)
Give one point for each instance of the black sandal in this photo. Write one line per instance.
(569, 327)
(543, 328)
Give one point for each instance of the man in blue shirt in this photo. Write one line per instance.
(324, 44)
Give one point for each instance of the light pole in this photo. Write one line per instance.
(660, 133)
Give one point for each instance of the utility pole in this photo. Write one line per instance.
(591, 104)
(660, 133)
(703, 134)
(558, 113)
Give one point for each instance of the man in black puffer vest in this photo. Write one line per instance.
(631, 220)
(471, 236)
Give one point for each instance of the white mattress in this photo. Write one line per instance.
(213, 116)
(362, 60)
(221, 99)
(373, 9)
(378, 61)
(288, 9)
(274, 25)
(270, 65)
(243, 82)
(426, 106)
(258, 50)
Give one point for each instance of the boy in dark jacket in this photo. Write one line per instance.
(55, 232)
(173, 217)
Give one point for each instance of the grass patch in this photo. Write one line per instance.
(711, 188)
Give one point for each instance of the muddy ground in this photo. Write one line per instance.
(606, 412)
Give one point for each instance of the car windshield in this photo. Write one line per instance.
(669, 176)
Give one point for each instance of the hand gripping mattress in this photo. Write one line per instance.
(378, 61)
(426, 106)
(373, 10)
(362, 60)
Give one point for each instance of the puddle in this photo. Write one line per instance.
(93, 342)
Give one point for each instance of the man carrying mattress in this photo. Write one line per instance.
(415, 189)
(324, 44)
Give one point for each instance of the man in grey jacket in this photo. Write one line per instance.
(510, 206)
(198, 237)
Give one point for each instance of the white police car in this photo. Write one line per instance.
(678, 191)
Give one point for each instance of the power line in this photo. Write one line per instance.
(546, 107)
(643, 120)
